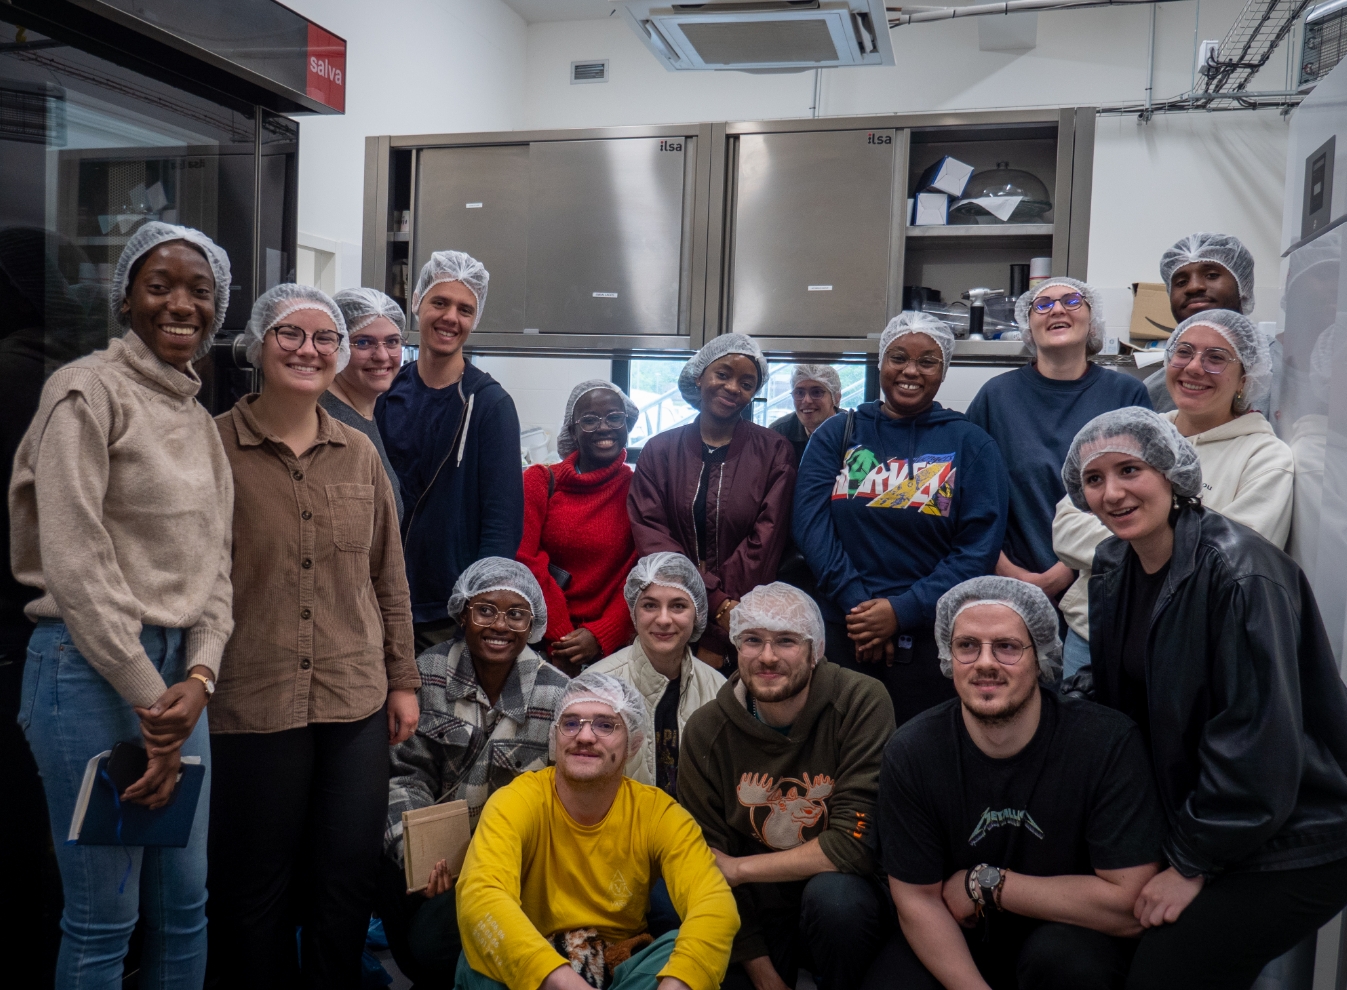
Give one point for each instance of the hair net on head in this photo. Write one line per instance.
(825, 374)
(668, 570)
(779, 607)
(453, 266)
(565, 443)
(622, 697)
(727, 343)
(1222, 249)
(1250, 344)
(1026, 600)
(1139, 433)
(148, 237)
(361, 307)
(914, 321)
(500, 574)
(274, 305)
(1094, 342)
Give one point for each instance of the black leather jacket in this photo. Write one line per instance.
(1248, 716)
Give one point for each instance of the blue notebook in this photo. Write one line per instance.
(102, 819)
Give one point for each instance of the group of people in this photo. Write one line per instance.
(716, 719)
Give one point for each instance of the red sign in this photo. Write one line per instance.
(327, 69)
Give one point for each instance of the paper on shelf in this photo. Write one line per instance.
(1000, 207)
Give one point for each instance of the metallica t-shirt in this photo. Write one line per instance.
(1078, 798)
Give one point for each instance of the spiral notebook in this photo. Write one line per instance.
(101, 818)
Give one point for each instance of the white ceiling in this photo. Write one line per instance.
(534, 11)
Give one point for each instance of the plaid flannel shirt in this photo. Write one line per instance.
(465, 748)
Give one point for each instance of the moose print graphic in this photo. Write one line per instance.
(789, 812)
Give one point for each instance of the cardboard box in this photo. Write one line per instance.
(1151, 317)
(949, 175)
(430, 835)
(931, 210)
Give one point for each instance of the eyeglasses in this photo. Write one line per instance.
(486, 614)
(1213, 360)
(590, 422)
(1071, 301)
(927, 363)
(391, 344)
(817, 394)
(291, 338)
(603, 725)
(1006, 651)
(786, 647)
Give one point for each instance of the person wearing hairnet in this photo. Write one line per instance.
(780, 772)
(120, 506)
(718, 490)
(1202, 271)
(816, 390)
(1209, 638)
(1017, 826)
(1033, 414)
(897, 502)
(452, 434)
(318, 679)
(376, 326)
(554, 889)
(577, 535)
(500, 698)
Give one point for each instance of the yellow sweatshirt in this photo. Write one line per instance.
(532, 871)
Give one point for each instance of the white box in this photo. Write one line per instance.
(931, 210)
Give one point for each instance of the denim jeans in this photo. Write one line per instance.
(70, 713)
(1075, 653)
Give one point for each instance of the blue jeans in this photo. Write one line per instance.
(1075, 653)
(70, 713)
(640, 972)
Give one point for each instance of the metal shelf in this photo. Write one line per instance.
(952, 231)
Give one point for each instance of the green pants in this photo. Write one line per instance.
(637, 973)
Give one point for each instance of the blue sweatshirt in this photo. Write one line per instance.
(456, 452)
(1033, 420)
(917, 506)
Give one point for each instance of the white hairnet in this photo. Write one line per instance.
(1140, 433)
(148, 237)
(824, 374)
(500, 574)
(779, 607)
(1222, 249)
(668, 570)
(565, 444)
(1026, 600)
(914, 321)
(1094, 343)
(362, 306)
(274, 305)
(717, 348)
(622, 697)
(453, 266)
(1250, 344)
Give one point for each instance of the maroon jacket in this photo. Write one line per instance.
(748, 504)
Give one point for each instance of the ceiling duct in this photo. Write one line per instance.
(762, 35)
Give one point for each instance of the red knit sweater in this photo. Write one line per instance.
(583, 529)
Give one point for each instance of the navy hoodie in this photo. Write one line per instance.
(915, 507)
(456, 452)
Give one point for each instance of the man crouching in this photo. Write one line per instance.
(554, 891)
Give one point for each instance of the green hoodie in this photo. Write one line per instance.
(824, 778)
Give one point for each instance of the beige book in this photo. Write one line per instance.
(439, 832)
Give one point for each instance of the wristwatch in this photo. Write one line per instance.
(984, 886)
(206, 682)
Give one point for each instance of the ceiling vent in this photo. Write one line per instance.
(763, 35)
(1324, 42)
(595, 71)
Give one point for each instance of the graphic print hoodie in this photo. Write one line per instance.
(911, 508)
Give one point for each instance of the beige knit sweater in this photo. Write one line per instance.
(120, 511)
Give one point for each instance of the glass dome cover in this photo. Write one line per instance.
(1002, 183)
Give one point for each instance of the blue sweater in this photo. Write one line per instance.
(1033, 420)
(462, 482)
(917, 506)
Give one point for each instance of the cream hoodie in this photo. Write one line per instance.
(697, 684)
(1247, 476)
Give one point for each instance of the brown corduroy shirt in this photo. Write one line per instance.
(322, 614)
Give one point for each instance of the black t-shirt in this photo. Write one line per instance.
(666, 740)
(710, 455)
(1142, 591)
(1078, 798)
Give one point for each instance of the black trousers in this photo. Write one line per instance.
(1019, 954)
(422, 932)
(833, 924)
(914, 680)
(1237, 925)
(296, 834)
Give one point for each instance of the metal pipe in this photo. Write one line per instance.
(1006, 7)
(1150, 68)
(818, 92)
